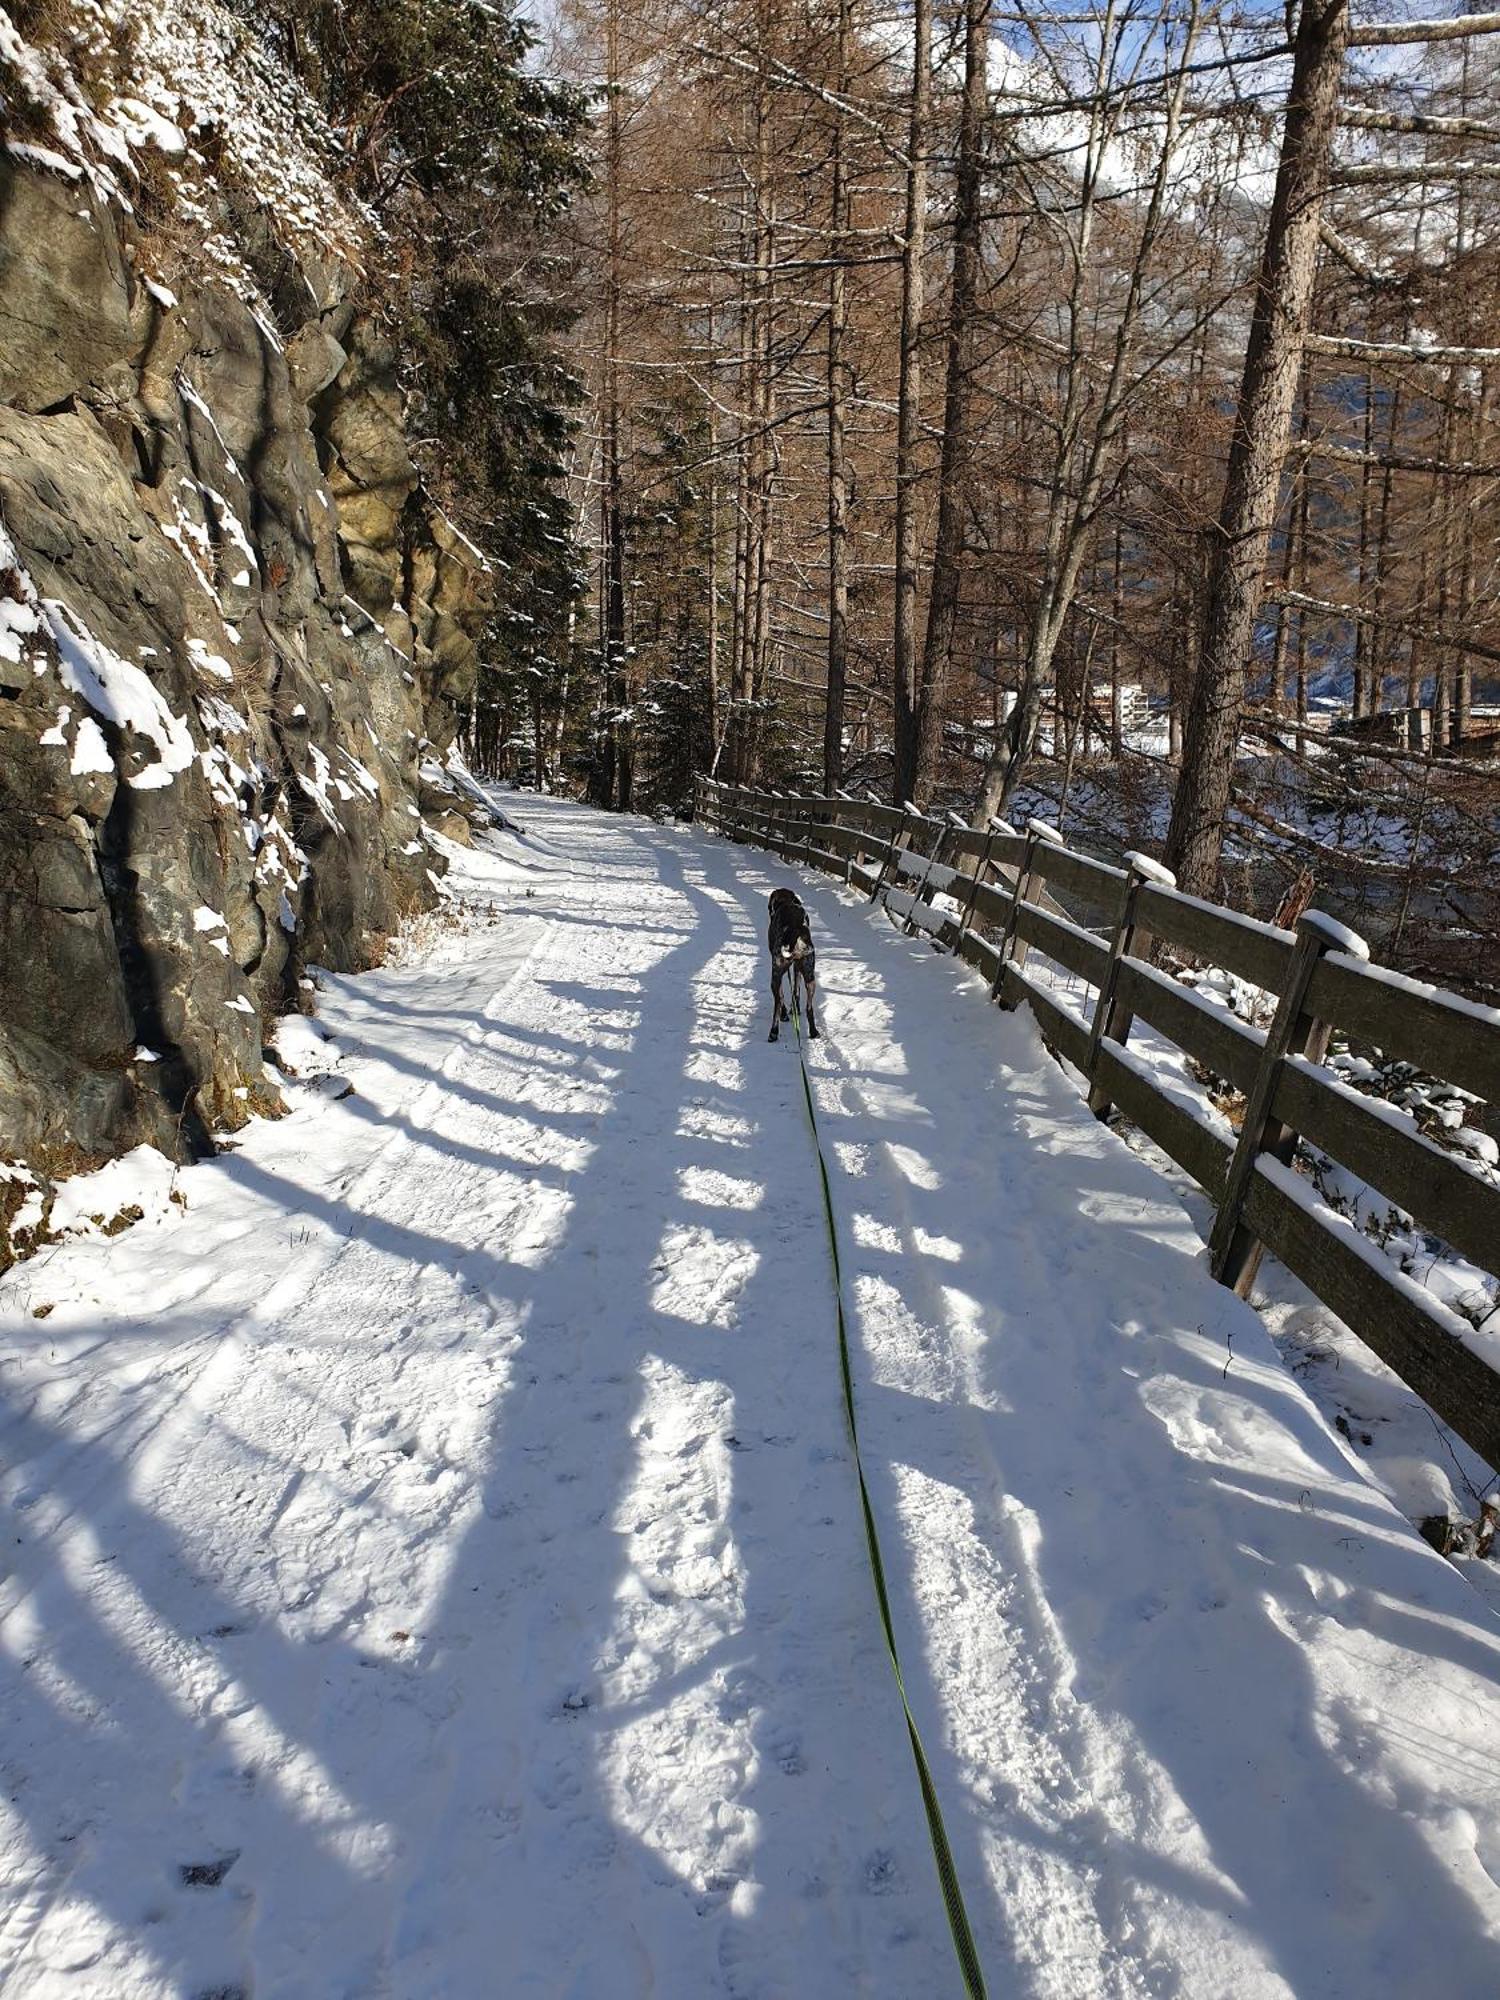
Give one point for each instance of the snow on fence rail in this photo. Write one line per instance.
(1002, 906)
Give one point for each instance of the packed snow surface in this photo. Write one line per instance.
(435, 1561)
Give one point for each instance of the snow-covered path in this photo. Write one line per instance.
(433, 1562)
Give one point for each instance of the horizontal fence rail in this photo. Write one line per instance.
(1007, 895)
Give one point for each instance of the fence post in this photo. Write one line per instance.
(1234, 1254)
(868, 846)
(775, 840)
(976, 881)
(797, 822)
(894, 846)
(1131, 940)
(841, 798)
(920, 892)
(1013, 949)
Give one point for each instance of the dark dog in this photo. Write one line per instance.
(791, 952)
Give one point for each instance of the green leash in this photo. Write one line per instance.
(937, 1833)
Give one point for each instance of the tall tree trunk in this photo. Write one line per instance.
(619, 778)
(560, 713)
(1462, 711)
(909, 410)
(1445, 670)
(839, 391)
(1117, 608)
(737, 723)
(711, 575)
(1414, 659)
(762, 403)
(1273, 358)
(1365, 685)
(1284, 612)
(1378, 641)
(958, 413)
(1300, 571)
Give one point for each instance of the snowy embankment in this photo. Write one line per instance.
(435, 1565)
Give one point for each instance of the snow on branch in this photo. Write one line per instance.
(1386, 34)
(1401, 351)
(1352, 257)
(1418, 124)
(1359, 614)
(1417, 172)
(1397, 461)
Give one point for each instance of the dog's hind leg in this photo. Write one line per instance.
(778, 1006)
(810, 995)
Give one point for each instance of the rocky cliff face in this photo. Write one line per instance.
(231, 625)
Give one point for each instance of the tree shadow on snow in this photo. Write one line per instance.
(623, 1749)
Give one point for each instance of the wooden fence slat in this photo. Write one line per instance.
(980, 953)
(1417, 1338)
(982, 860)
(1067, 1034)
(1097, 883)
(993, 903)
(1001, 844)
(891, 858)
(1439, 1032)
(915, 915)
(1433, 1186)
(924, 889)
(1257, 952)
(1194, 1145)
(1061, 939)
(821, 858)
(1029, 882)
(1222, 1042)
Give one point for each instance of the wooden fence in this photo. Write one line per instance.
(1009, 896)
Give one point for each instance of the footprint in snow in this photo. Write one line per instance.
(883, 1876)
(206, 1874)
